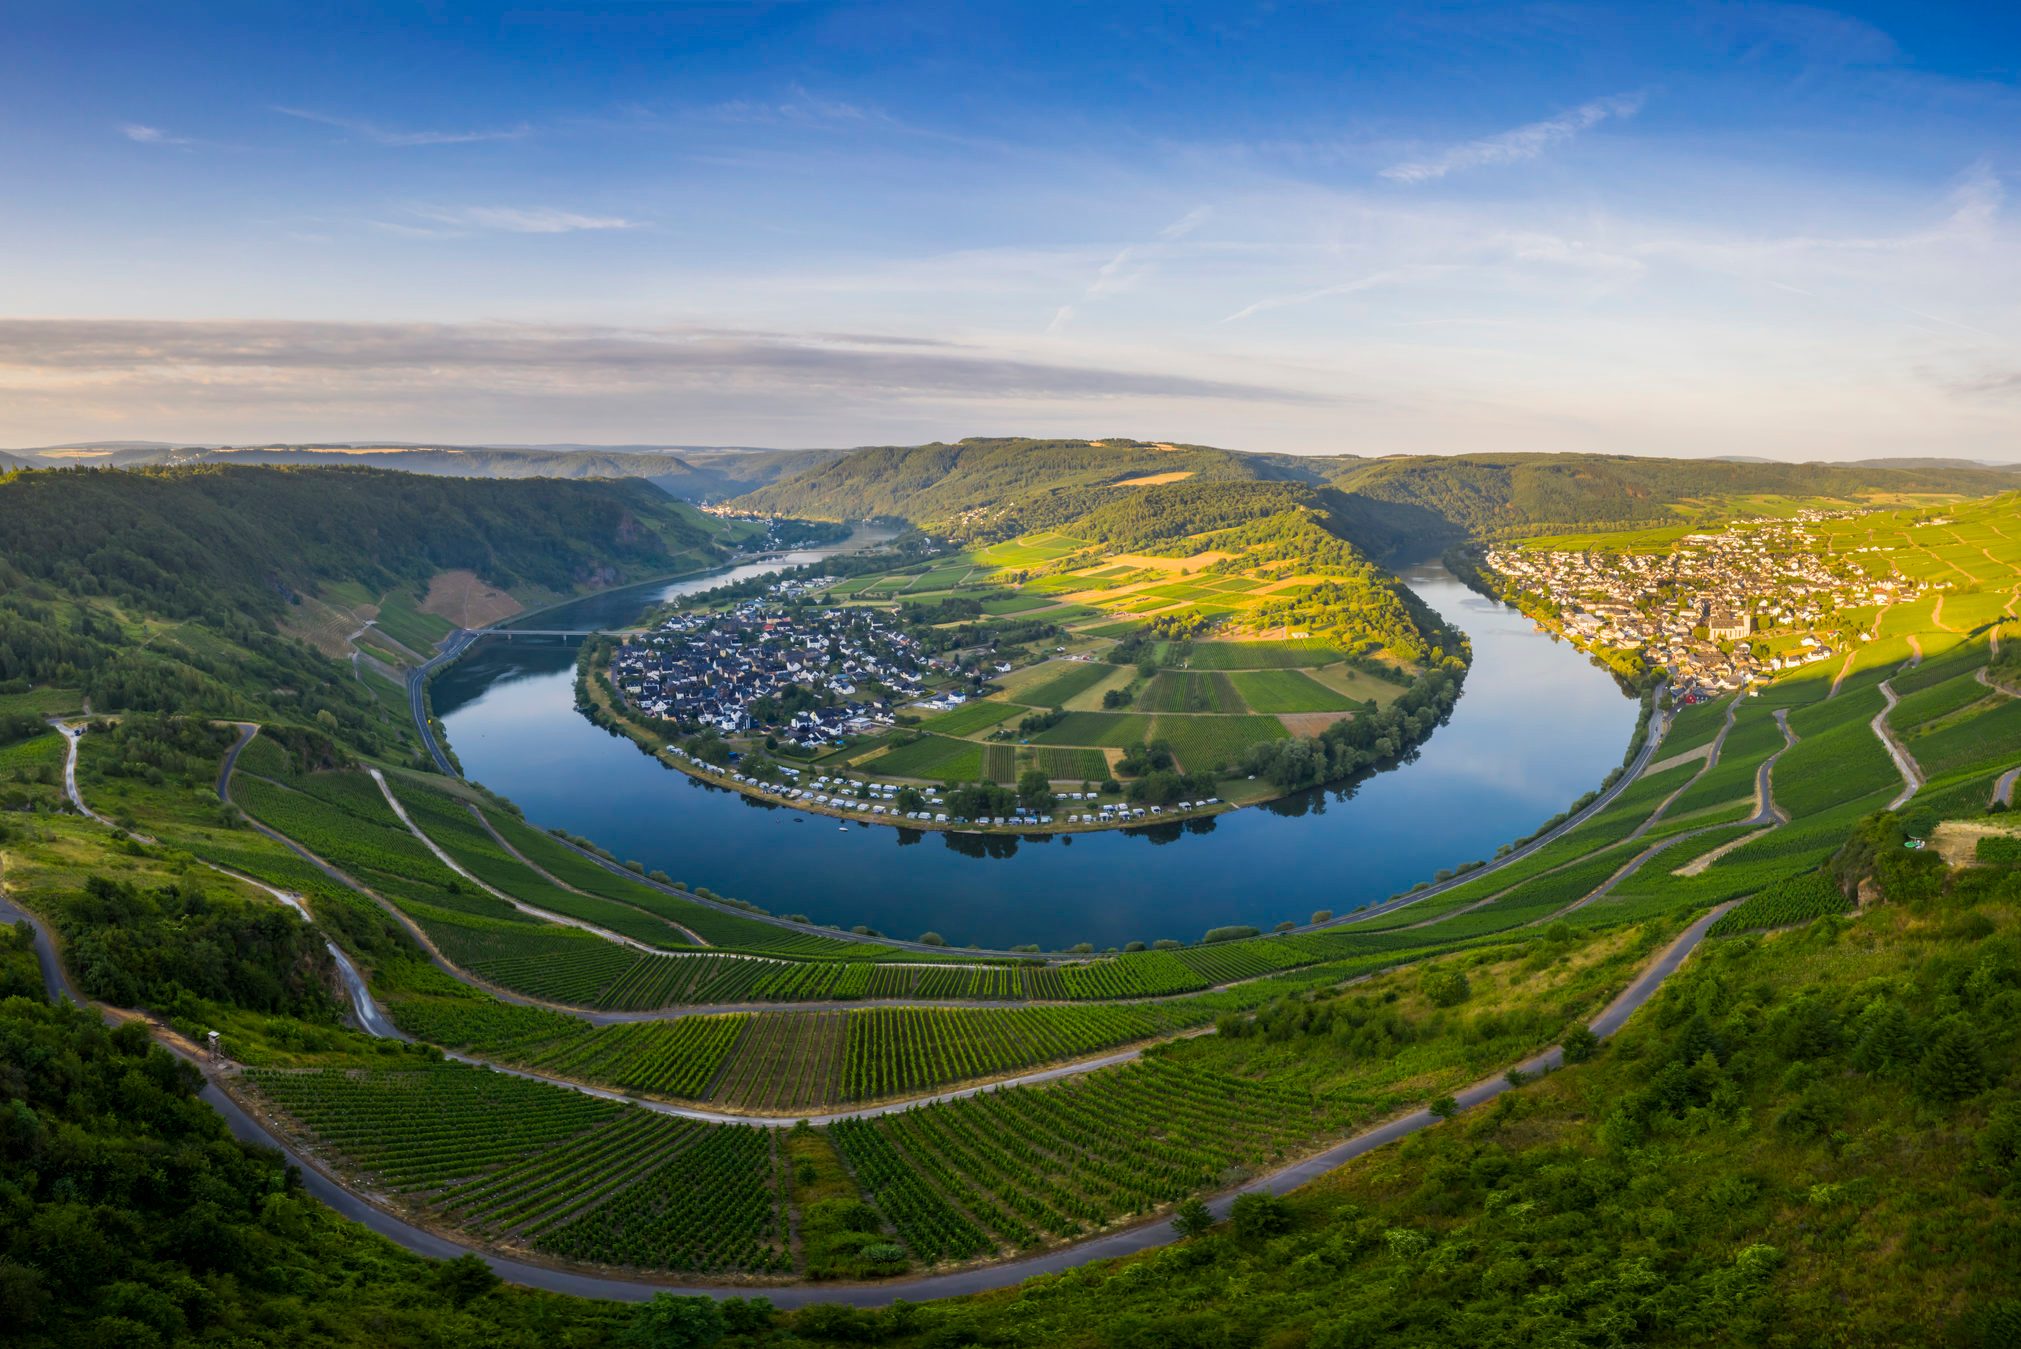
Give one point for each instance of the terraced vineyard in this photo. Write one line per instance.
(1024, 1167)
(566, 1174)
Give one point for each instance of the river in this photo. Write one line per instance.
(1536, 726)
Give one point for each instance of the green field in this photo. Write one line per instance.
(972, 717)
(1203, 742)
(1104, 729)
(934, 757)
(1286, 691)
(1063, 764)
(1186, 691)
(1073, 678)
(1275, 655)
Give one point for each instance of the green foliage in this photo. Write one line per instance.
(135, 1218)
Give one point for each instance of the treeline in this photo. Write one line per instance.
(1371, 738)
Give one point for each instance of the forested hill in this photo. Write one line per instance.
(1505, 493)
(988, 486)
(690, 474)
(186, 542)
(1000, 487)
(168, 589)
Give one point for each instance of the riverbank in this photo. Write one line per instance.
(1538, 728)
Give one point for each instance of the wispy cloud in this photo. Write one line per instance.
(1388, 276)
(338, 360)
(1126, 267)
(151, 135)
(1516, 146)
(383, 135)
(522, 220)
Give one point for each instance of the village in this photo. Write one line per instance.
(1719, 611)
(822, 674)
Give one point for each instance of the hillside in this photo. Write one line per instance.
(149, 590)
(691, 474)
(996, 488)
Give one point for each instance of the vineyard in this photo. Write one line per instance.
(566, 1174)
(1023, 1167)
(1796, 900)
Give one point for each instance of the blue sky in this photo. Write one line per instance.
(1679, 229)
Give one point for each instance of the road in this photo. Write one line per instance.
(1127, 1241)
(417, 694)
(1905, 763)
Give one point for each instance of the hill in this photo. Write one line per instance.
(691, 473)
(997, 488)
(172, 588)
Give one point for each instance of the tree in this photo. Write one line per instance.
(1580, 1044)
(1445, 1107)
(671, 1322)
(1260, 1215)
(1191, 1218)
(1035, 790)
(1954, 1066)
(465, 1277)
(932, 939)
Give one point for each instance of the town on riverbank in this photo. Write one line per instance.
(1025, 687)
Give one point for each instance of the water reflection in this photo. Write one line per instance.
(1536, 726)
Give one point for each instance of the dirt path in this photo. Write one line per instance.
(561, 884)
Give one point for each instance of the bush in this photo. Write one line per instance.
(1580, 1044)
(1446, 986)
(1260, 1215)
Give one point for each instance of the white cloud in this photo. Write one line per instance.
(151, 135)
(1514, 147)
(1123, 269)
(524, 220)
(381, 135)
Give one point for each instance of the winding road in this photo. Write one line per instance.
(1143, 1236)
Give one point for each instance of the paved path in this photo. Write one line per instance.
(1905, 763)
(1127, 1241)
(417, 694)
(2003, 790)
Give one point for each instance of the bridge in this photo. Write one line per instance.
(559, 632)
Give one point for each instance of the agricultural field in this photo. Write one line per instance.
(1201, 743)
(1073, 679)
(1797, 900)
(532, 1166)
(1283, 654)
(972, 717)
(1183, 691)
(1070, 765)
(1286, 691)
(933, 757)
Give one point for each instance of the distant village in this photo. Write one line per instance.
(831, 674)
(1719, 611)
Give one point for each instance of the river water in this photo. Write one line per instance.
(1536, 726)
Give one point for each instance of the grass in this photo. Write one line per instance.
(42, 701)
(971, 717)
(1074, 678)
(1287, 691)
